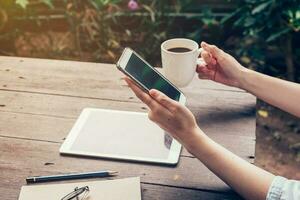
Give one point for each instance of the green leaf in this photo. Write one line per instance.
(94, 4)
(231, 15)
(151, 12)
(277, 34)
(97, 3)
(249, 21)
(261, 7)
(48, 3)
(239, 21)
(22, 3)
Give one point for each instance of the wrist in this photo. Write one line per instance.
(194, 140)
(243, 77)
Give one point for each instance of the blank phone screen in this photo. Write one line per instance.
(145, 74)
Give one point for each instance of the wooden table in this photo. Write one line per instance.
(41, 99)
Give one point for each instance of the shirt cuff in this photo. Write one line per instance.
(276, 188)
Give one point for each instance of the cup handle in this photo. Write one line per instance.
(200, 60)
(199, 51)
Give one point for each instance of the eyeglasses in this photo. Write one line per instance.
(82, 192)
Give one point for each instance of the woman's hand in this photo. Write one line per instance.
(170, 115)
(176, 119)
(220, 66)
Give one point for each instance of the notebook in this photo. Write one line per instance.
(119, 189)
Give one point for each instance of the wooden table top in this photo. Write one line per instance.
(40, 100)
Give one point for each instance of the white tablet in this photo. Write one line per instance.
(120, 135)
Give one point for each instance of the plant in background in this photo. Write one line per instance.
(110, 25)
(8, 11)
(269, 27)
(102, 27)
(24, 3)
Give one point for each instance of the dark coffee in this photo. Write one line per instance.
(179, 49)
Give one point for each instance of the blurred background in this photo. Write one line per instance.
(263, 35)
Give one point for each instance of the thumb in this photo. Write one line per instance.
(163, 99)
(212, 49)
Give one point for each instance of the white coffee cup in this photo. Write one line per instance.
(180, 67)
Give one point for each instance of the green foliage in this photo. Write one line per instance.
(269, 19)
(104, 27)
(108, 25)
(268, 23)
(22, 3)
(48, 3)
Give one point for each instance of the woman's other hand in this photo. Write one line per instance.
(220, 66)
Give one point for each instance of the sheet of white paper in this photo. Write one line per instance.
(118, 189)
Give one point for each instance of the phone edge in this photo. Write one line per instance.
(140, 84)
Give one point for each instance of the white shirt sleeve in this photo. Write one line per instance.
(284, 189)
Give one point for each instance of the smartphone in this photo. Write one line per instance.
(146, 76)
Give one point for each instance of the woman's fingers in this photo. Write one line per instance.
(204, 72)
(201, 76)
(208, 59)
(143, 96)
(157, 111)
(212, 49)
(164, 100)
(156, 97)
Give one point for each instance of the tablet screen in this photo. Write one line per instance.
(120, 133)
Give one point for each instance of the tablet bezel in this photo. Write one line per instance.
(174, 152)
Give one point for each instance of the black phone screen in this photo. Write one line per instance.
(145, 74)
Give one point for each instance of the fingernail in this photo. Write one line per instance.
(126, 80)
(153, 93)
(204, 44)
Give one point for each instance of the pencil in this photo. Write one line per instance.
(62, 177)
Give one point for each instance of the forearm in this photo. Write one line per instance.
(246, 179)
(280, 93)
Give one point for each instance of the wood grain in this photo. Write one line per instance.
(41, 99)
(57, 114)
(71, 78)
(21, 158)
(155, 192)
(231, 113)
(149, 191)
(55, 129)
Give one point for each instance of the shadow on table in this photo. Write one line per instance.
(214, 116)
